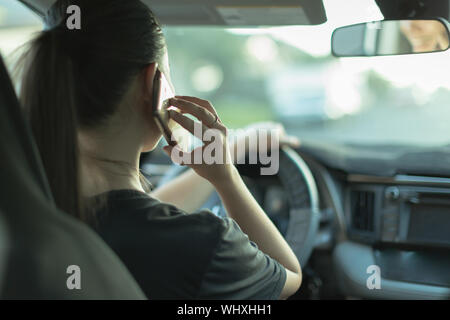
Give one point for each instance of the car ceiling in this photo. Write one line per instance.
(231, 13)
(418, 9)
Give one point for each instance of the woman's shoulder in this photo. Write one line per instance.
(137, 209)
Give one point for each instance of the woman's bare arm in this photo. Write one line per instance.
(188, 191)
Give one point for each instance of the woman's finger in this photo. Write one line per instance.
(188, 124)
(194, 109)
(290, 141)
(204, 103)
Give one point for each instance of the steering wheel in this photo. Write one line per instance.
(297, 181)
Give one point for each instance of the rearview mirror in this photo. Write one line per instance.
(390, 37)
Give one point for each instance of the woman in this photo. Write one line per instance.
(425, 35)
(88, 96)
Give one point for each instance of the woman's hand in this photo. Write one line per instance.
(212, 160)
(237, 199)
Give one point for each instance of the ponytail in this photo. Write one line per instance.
(74, 79)
(48, 97)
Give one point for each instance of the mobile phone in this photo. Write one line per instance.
(174, 134)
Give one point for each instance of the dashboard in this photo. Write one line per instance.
(399, 223)
(407, 210)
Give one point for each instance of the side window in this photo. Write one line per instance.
(17, 25)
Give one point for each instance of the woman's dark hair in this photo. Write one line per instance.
(75, 79)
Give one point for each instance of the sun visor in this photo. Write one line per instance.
(419, 9)
(225, 13)
(242, 13)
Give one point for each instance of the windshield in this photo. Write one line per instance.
(287, 74)
(17, 25)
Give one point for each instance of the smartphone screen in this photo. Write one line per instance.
(172, 131)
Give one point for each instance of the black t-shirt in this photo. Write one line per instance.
(176, 255)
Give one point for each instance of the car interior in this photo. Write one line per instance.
(365, 195)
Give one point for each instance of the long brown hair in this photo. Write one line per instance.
(74, 79)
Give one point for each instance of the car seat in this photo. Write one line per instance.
(38, 242)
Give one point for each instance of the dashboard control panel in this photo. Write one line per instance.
(398, 211)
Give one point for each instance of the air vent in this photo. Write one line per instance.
(362, 210)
